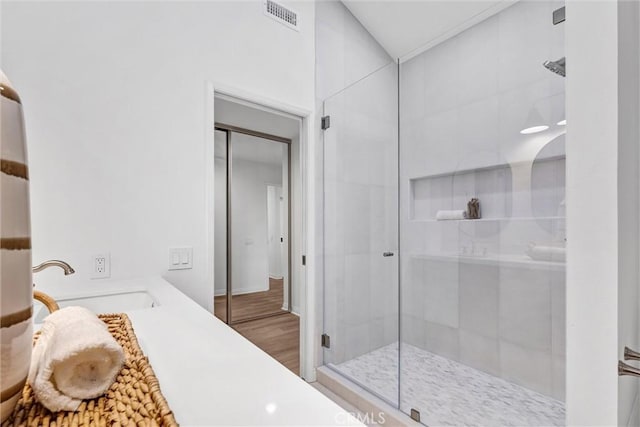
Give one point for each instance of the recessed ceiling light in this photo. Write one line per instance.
(271, 408)
(534, 129)
(562, 122)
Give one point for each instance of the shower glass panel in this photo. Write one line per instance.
(482, 299)
(361, 233)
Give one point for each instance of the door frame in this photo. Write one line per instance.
(229, 130)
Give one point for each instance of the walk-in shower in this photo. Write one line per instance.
(452, 317)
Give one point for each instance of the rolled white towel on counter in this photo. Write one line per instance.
(74, 358)
(450, 215)
(547, 253)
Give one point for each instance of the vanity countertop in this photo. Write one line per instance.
(210, 374)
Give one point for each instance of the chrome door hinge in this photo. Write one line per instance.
(558, 16)
(326, 341)
(325, 122)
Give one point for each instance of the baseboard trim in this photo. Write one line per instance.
(241, 291)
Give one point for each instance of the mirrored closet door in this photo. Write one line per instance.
(252, 224)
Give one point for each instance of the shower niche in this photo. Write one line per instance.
(451, 191)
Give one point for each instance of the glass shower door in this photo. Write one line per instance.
(361, 233)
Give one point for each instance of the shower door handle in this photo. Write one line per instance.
(386, 254)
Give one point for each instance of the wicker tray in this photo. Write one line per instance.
(134, 399)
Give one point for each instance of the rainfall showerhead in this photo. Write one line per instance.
(559, 67)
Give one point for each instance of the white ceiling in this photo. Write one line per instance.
(406, 28)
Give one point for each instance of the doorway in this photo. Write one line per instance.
(255, 258)
(257, 226)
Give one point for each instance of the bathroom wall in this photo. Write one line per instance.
(115, 103)
(628, 202)
(469, 291)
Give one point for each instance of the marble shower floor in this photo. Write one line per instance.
(448, 393)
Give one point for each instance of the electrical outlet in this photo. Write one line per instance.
(101, 268)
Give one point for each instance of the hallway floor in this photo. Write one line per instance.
(279, 336)
(255, 304)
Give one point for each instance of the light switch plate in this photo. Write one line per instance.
(180, 258)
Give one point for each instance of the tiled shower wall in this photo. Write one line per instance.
(469, 292)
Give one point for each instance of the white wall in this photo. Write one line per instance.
(628, 201)
(592, 228)
(115, 106)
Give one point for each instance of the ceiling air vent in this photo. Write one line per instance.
(281, 14)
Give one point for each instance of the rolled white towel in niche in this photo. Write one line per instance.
(74, 358)
(546, 253)
(451, 215)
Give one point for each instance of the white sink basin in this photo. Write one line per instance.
(102, 303)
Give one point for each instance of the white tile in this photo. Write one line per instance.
(526, 367)
(441, 138)
(413, 330)
(377, 219)
(525, 308)
(357, 279)
(357, 340)
(441, 293)
(478, 56)
(376, 333)
(479, 299)
(524, 43)
(391, 332)
(383, 285)
(412, 82)
(414, 149)
(413, 289)
(479, 352)
(559, 372)
(516, 106)
(441, 77)
(558, 314)
(357, 225)
(442, 340)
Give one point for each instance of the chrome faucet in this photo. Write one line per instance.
(54, 263)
